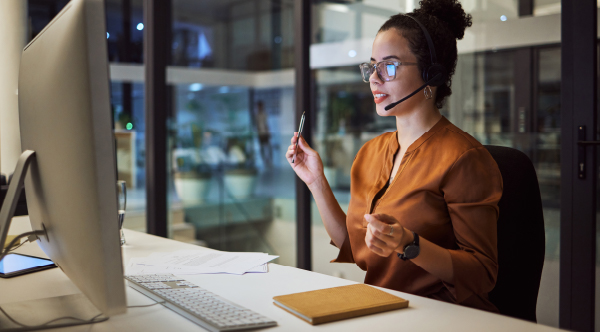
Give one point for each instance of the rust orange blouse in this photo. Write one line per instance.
(446, 190)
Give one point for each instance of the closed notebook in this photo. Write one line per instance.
(331, 304)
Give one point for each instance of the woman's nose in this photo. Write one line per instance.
(374, 79)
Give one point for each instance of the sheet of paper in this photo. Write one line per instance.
(133, 268)
(200, 261)
(226, 262)
(259, 269)
(143, 264)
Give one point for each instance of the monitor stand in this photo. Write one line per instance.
(12, 195)
(53, 312)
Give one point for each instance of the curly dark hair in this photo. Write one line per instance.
(446, 21)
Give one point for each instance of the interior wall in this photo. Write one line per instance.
(13, 34)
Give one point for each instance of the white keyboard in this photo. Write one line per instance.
(202, 307)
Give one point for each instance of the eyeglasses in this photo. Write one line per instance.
(386, 70)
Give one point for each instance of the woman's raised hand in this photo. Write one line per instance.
(307, 163)
(385, 234)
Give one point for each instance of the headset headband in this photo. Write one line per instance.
(428, 37)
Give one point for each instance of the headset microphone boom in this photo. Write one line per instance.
(392, 105)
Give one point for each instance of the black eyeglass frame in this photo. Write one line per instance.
(368, 66)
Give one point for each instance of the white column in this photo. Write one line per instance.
(13, 35)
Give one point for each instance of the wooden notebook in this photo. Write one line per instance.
(331, 304)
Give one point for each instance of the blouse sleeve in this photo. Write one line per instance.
(472, 189)
(345, 255)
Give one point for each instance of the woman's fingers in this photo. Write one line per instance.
(302, 151)
(380, 229)
(292, 154)
(378, 251)
(380, 235)
(302, 145)
(290, 151)
(387, 230)
(376, 245)
(302, 142)
(305, 147)
(385, 218)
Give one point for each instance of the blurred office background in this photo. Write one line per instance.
(231, 87)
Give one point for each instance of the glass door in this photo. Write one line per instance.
(232, 84)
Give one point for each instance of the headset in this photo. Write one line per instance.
(434, 75)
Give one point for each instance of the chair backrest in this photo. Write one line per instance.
(521, 238)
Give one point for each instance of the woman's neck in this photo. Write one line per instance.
(414, 124)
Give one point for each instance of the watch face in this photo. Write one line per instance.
(411, 251)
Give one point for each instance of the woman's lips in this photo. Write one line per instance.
(379, 97)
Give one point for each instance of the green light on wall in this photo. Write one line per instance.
(129, 126)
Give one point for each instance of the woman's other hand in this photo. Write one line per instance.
(378, 236)
(307, 162)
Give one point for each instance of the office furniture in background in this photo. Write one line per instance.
(521, 239)
(126, 157)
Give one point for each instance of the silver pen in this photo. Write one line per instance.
(299, 133)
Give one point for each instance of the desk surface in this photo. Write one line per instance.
(254, 291)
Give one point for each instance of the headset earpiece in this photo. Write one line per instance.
(430, 75)
(436, 73)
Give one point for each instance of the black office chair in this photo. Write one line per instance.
(521, 239)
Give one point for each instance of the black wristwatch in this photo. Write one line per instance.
(412, 250)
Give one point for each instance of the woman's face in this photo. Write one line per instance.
(391, 45)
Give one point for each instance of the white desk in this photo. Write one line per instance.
(254, 291)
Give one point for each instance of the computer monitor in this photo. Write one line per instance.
(65, 117)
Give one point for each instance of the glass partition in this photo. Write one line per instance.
(127, 101)
(232, 82)
(125, 37)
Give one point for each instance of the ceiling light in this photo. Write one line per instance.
(196, 87)
(338, 7)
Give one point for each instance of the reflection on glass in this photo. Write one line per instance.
(127, 102)
(240, 35)
(232, 120)
(229, 173)
(548, 115)
(124, 39)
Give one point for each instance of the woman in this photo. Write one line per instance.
(424, 199)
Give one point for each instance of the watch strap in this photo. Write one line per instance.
(414, 243)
